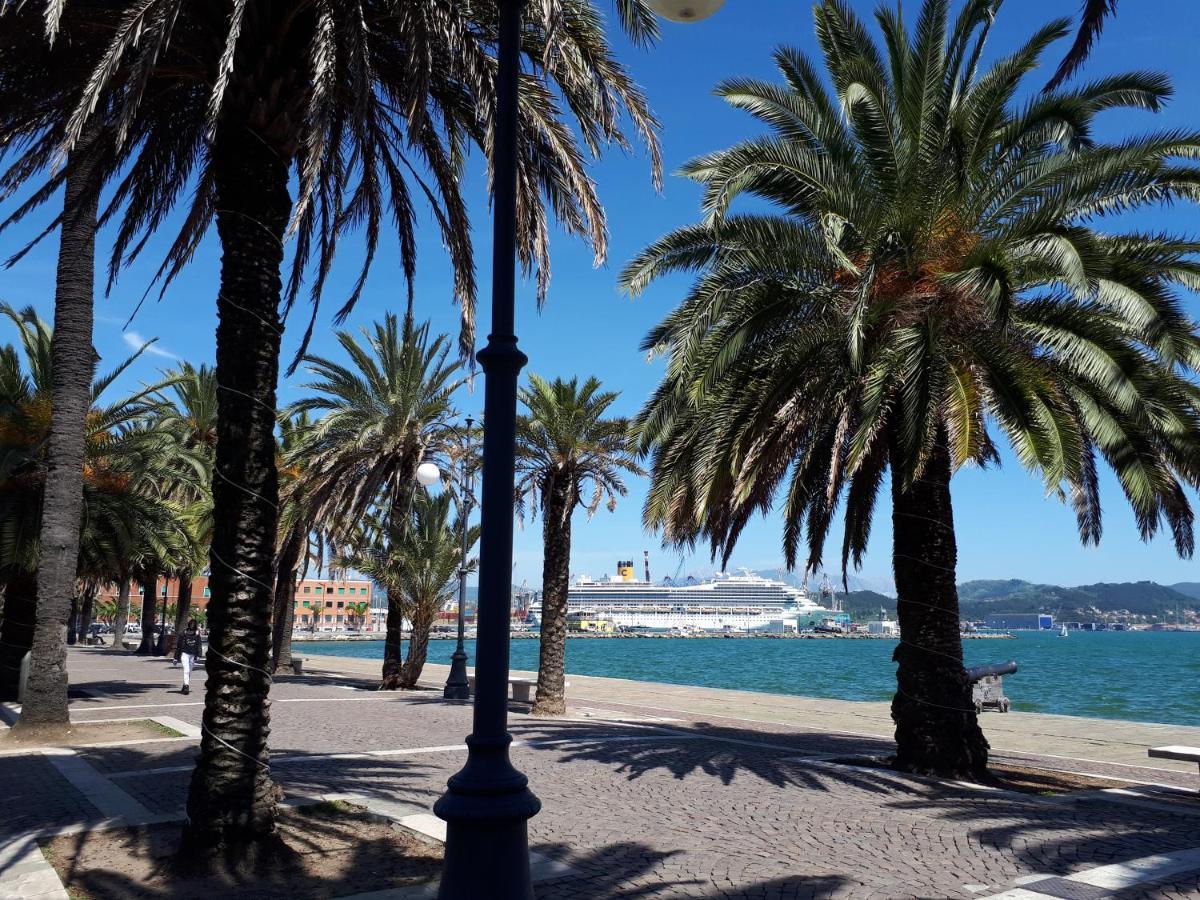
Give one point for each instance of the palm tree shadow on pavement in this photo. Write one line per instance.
(716, 751)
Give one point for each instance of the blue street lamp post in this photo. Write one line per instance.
(488, 804)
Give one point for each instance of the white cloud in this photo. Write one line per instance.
(135, 341)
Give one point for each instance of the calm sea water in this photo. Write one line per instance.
(1142, 676)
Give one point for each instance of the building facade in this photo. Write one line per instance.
(1016, 621)
(322, 604)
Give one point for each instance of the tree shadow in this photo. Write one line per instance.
(1060, 835)
(716, 751)
(630, 870)
(367, 864)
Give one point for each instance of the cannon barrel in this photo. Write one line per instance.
(974, 673)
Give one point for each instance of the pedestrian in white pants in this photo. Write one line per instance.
(190, 648)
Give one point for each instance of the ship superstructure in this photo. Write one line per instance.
(742, 602)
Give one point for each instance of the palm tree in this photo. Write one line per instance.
(295, 523)
(31, 92)
(568, 454)
(417, 561)
(929, 276)
(189, 413)
(359, 611)
(380, 416)
(367, 105)
(121, 459)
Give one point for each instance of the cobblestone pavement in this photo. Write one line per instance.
(640, 805)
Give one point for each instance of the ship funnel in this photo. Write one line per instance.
(625, 570)
(646, 556)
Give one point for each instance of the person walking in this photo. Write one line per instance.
(189, 648)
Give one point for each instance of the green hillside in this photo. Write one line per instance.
(1138, 600)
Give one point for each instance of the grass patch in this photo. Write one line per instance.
(160, 728)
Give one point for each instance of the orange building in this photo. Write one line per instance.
(333, 603)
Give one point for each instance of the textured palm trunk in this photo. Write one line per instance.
(122, 617)
(16, 631)
(71, 356)
(393, 640)
(183, 608)
(73, 621)
(149, 611)
(559, 500)
(937, 730)
(284, 616)
(231, 802)
(418, 647)
(87, 611)
(231, 799)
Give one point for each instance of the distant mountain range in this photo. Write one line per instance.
(1144, 600)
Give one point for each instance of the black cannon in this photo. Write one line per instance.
(987, 685)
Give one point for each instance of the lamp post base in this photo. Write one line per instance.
(487, 808)
(457, 686)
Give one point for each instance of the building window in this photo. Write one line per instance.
(341, 603)
(352, 590)
(339, 618)
(307, 589)
(329, 618)
(141, 591)
(341, 590)
(206, 592)
(318, 589)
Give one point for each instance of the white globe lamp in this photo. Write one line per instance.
(685, 10)
(428, 474)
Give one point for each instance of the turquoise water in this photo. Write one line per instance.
(1141, 676)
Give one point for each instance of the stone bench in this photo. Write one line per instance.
(1186, 754)
(522, 688)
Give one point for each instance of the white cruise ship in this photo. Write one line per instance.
(724, 603)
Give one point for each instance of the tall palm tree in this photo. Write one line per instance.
(929, 275)
(417, 562)
(121, 459)
(379, 417)
(295, 524)
(367, 105)
(31, 92)
(569, 453)
(189, 413)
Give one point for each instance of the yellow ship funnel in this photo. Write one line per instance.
(625, 570)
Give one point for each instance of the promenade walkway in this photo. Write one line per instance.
(655, 791)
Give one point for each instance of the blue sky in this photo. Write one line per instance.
(1006, 527)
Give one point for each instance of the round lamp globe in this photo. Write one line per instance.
(685, 10)
(428, 474)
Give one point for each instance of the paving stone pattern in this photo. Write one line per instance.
(641, 809)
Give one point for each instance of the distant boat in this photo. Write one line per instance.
(1063, 631)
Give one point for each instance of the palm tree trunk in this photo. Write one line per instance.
(559, 499)
(393, 639)
(149, 612)
(284, 616)
(231, 800)
(418, 646)
(86, 611)
(16, 631)
(937, 730)
(122, 616)
(73, 620)
(183, 606)
(72, 360)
